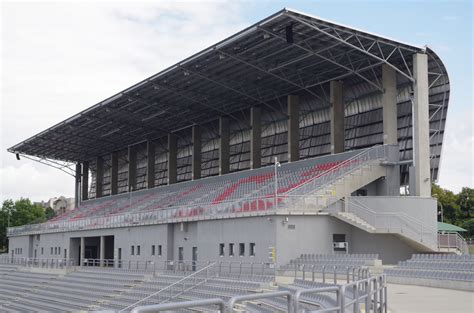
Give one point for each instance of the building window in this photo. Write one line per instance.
(153, 250)
(159, 250)
(138, 250)
(231, 249)
(252, 249)
(133, 250)
(221, 249)
(51, 250)
(59, 250)
(242, 249)
(42, 250)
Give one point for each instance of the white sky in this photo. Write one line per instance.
(58, 59)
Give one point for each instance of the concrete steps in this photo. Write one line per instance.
(356, 221)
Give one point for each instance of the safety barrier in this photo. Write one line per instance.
(354, 272)
(372, 292)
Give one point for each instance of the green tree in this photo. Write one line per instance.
(20, 212)
(448, 202)
(466, 203)
(469, 226)
(49, 213)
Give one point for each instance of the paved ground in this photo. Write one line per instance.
(417, 299)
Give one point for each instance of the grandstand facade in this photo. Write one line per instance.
(294, 136)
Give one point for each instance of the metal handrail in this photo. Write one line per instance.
(340, 166)
(142, 217)
(180, 305)
(419, 228)
(302, 292)
(265, 295)
(459, 242)
(170, 286)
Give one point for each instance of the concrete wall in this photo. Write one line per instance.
(307, 234)
(291, 235)
(390, 248)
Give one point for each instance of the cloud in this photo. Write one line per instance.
(58, 59)
(457, 161)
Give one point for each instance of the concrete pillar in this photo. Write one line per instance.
(255, 138)
(421, 126)
(102, 250)
(196, 153)
(337, 116)
(172, 159)
(132, 168)
(390, 185)
(99, 177)
(293, 128)
(389, 105)
(114, 174)
(85, 181)
(77, 187)
(83, 251)
(150, 168)
(224, 145)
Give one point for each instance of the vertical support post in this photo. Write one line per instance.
(224, 145)
(102, 250)
(337, 116)
(172, 159)
(196, 153)
(77, 187)
(85, 181)
(99, 177)
(421, 129)
(114, 174)
(132, 168)
(391, 182)
(83, 253)
(293, 128)
(255, 138)
(150, 168)
(389, 105)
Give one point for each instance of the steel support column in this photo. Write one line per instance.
(150, 168)
(99, 177)
(132, 168)
(85, 181)
(196, 153)
(102, 250)
(224, 145)
(255, 138)
(337, 116)
(421, 132)
(114, 174)
(77, 187)
(172, 159)
(293, 128)
(82, 252)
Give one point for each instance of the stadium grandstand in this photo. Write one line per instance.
(275, 171)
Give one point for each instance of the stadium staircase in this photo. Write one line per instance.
(331, 193)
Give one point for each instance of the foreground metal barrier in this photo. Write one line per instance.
(175, 289)
(354, 272)
(372, 292)
(182, 305)
(52, 263)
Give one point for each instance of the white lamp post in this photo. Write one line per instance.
(277, 165)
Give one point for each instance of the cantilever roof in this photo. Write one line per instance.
(287, 52)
